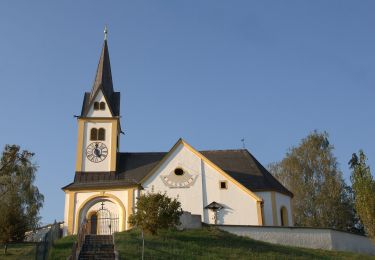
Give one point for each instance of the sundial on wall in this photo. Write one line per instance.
(179, 178)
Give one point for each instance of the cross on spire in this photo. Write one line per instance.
(105, 33)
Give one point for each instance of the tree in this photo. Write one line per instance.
(156, 211)
(363, 186)
(321, 197)
(20, 200)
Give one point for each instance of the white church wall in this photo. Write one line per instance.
(99, 113)
(66, 214)
(240, 208)
(267, 207)
(283, 201)
(87, 165)
(190, 198)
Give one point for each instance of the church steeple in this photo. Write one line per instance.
(103, 78)
(103, 82)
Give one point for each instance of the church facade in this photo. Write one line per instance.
(226, 187)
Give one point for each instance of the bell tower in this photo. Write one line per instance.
(99, 122)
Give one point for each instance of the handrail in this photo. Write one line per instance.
(82, 232)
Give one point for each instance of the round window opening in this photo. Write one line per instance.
(179, 171)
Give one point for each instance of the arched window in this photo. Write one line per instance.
(96, 105)
(102, 106)
(94, 134)
(284, 216)
(101, 134)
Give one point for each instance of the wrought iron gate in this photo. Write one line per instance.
(103, 222)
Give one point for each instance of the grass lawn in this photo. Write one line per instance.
(21, 251)
(62, 248)
(211, 243)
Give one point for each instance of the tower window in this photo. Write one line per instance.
(102, 106)
(94, 134)
(101, 134)
(97, 135)
(179, 171)
(223, 185)
(96, 105)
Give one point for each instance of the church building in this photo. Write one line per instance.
(224, 187)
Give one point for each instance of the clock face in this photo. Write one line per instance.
(96, 152)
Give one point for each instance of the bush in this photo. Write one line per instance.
(156, 211)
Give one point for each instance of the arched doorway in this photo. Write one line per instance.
(102, 218)
(284, 216)
(93, 220)
(93, 204)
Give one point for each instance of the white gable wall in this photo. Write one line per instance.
(99, 113)
(190, 198)
(240, 207)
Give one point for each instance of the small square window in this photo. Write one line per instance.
(223, 185)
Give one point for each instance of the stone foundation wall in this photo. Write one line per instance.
(189, 221)
(317, 238)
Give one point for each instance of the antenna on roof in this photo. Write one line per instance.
(243, 143)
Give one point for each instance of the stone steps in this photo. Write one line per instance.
(97, 247)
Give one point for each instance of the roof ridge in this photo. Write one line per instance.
(225, 150)
(218, 150)
(140, 152)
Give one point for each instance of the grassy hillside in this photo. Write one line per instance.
(62, 248)
(208, 243)
(211, 243)
(22, 251)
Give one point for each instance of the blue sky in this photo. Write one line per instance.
(211, 72)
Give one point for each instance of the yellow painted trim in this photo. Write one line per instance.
(291, 213)
(101, 195)
(71, 212)
(284, 216)
(274, 210)
(100, 189)
(114, 146)
(260, 213)
(130, 204)
(81, 133)
(79, 145)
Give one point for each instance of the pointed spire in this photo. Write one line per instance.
(103, 78)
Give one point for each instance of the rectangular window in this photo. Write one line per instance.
(223, 185)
